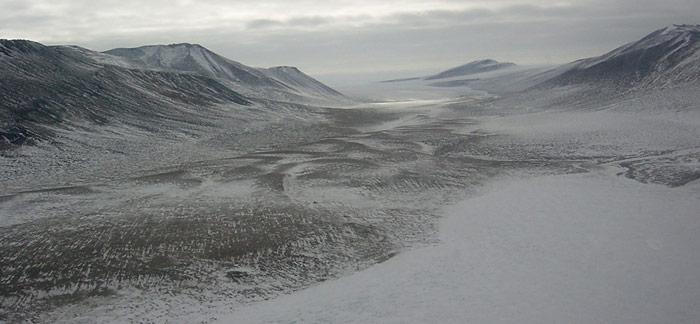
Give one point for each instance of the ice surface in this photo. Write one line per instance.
(589, 248)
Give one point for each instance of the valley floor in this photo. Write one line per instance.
(585, 248)
(614, 239)
(462, 210)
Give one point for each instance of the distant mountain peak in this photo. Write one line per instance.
(193, 58)
(285, 68)
(474, 67)
(184, 45)
(166, 46)
(486, 61)
(287, 81)
(686, 32)
(163, 55)
(181, 47)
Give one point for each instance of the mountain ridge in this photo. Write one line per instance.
(295, 78)
(474, 67)
(62, 86)
(186, 57)
(667, 56)
(194, 58)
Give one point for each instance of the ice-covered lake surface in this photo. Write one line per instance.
(427, 207)
(590, 248)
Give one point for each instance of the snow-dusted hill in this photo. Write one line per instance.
(152, 87)
(193, 58)
(471, 68)
(44, 86)
(285, 84)
(666, 57)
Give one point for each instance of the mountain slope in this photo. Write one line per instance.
(300, 81)
(193, 58)
(45, 86)
(665, 57)
(285, 84)
(471, 68)
(151, 87)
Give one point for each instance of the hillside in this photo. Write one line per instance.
(285, 84)
(151, 87)
(666, 57)
(46, 86)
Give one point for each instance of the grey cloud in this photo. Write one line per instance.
(15, 5)
(312, 21)
(263, 23)
(308, 21)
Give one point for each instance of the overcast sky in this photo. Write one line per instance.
(334, 37)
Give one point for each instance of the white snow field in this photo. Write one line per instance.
(587, 248)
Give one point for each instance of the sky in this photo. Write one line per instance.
(352, 37)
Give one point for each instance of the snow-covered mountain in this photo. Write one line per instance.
(193, 58)
(44, 86)
(471, 68)
(286, 84)
(664, 58)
